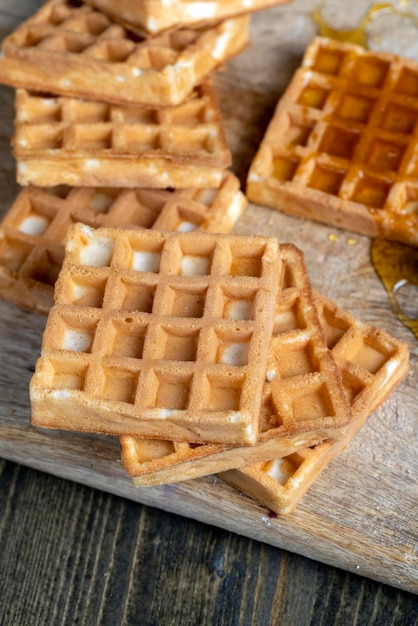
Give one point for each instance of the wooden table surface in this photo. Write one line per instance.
(72, 554)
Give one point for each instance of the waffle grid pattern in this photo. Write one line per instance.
(33, 232)
(66, 46)
(343, 144)
(161, 326)
(302, 402)
(61, 140)
(191, 131)
(372, 363)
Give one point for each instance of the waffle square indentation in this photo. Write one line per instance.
(119, 385)
(399, 118)
(223, 395)
(34, 222)
(338, 141)
(185, 302)
(385, 154)
(67, 374)
(370, 70)
(298, 132)
(96, 252)
(326, 179)
(314, 403)
(353, 106)
(284, 168)
(407, 82)
(84, 291)
(43, 266)
(238, 305)
(313, 96)
(371, 190)
(126, 338)
(170, 390)
(328, 61)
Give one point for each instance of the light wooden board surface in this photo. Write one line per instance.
(361, 515)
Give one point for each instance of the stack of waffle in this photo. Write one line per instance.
(204, 352)
(207, 353)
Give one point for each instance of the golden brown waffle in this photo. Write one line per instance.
(158, 334)
(32, 233)
(303, 396)
(73, 50)
(154, 16)
(76, 142)
(342, 145)
(372, 363)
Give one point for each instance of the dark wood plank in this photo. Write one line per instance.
(73, 555)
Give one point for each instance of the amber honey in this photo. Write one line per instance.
(371, 191)
(355, 107)
(284, 169)
(354, 35)
(386, 155)
(313, 96)
(400, 119)
(326, 179)
(397, 267)
(359, 35)
(339, 141)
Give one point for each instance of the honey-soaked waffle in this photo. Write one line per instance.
(372, 363)
(73, 50)
(303, 396)
(342, 147)
(33, 231)
(60, 140)
(154, 16)
(148, 335)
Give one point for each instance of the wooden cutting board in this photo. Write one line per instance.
(361, 515)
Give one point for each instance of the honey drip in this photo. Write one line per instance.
(397, 268)
(359, 35)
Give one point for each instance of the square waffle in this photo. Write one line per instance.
(148, 336)
(73, 50)
(303, 396)
(154, 16)
(342, 147)
(60, 140)
(372, 363)
(33, 232)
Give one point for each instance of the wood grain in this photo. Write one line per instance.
(361, 514)
(73, 555)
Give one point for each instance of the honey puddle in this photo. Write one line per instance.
(359, 34)
(397, 268)
(395, 264)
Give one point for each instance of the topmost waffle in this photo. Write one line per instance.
(154, 16)
(158, 334)
(71, 49)
(342, 146)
